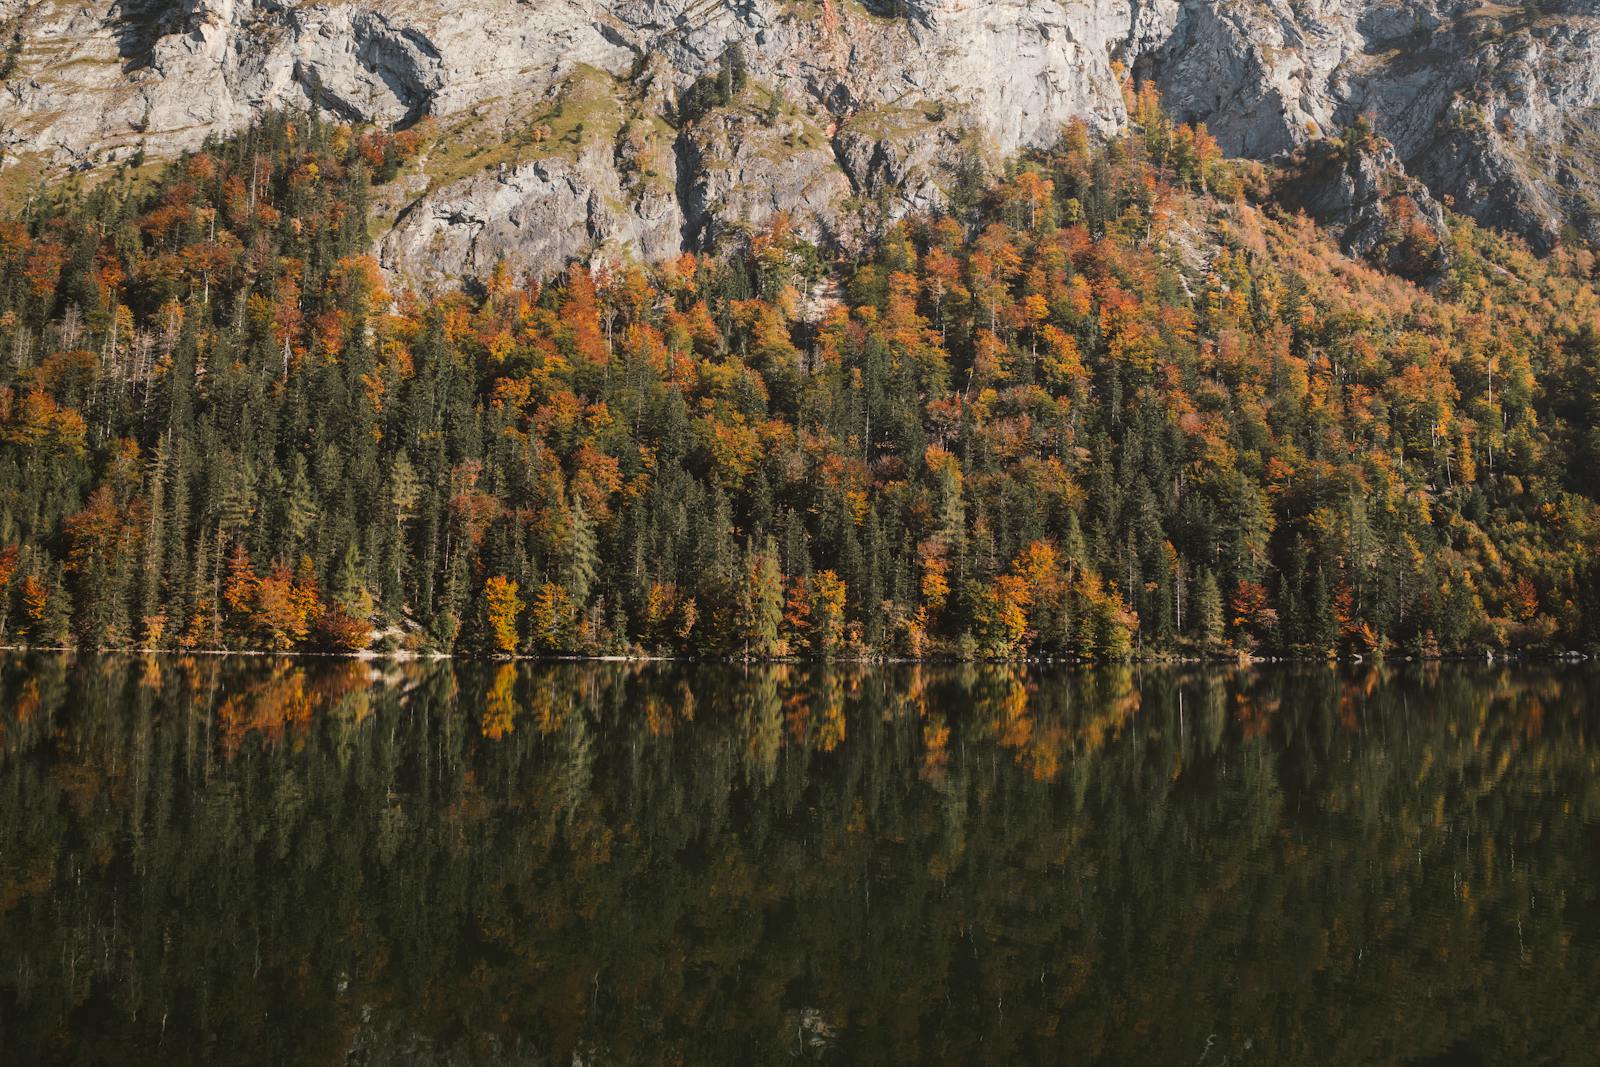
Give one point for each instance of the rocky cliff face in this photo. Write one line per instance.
(562, 127)
(1496, 107)
(1355, 185)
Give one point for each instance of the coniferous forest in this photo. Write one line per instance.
(1114, 402)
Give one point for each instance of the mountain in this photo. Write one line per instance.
(932, 328)
(554, 129)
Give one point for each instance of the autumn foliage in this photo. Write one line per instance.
(1115, 402)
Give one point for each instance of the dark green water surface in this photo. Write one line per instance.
(254, 861)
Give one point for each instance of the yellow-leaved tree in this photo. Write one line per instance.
(503, 606)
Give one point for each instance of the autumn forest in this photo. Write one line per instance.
(1115, 402)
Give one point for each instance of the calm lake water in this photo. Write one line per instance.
(209, 861)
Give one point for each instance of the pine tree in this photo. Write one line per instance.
(1208, 619)
(582, 556)
(760, 610)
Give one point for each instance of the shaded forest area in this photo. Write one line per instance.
(1113, 403)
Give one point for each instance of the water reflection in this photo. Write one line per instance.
(274, 861)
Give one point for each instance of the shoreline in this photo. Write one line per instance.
(1571, 656)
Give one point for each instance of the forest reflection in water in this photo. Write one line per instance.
(338, 862)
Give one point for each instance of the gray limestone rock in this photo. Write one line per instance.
(1356, 186)
(1496, 108)
(740, 169)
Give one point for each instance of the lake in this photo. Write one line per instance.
(259, 861)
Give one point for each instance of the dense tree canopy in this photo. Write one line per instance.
(1114, 402)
